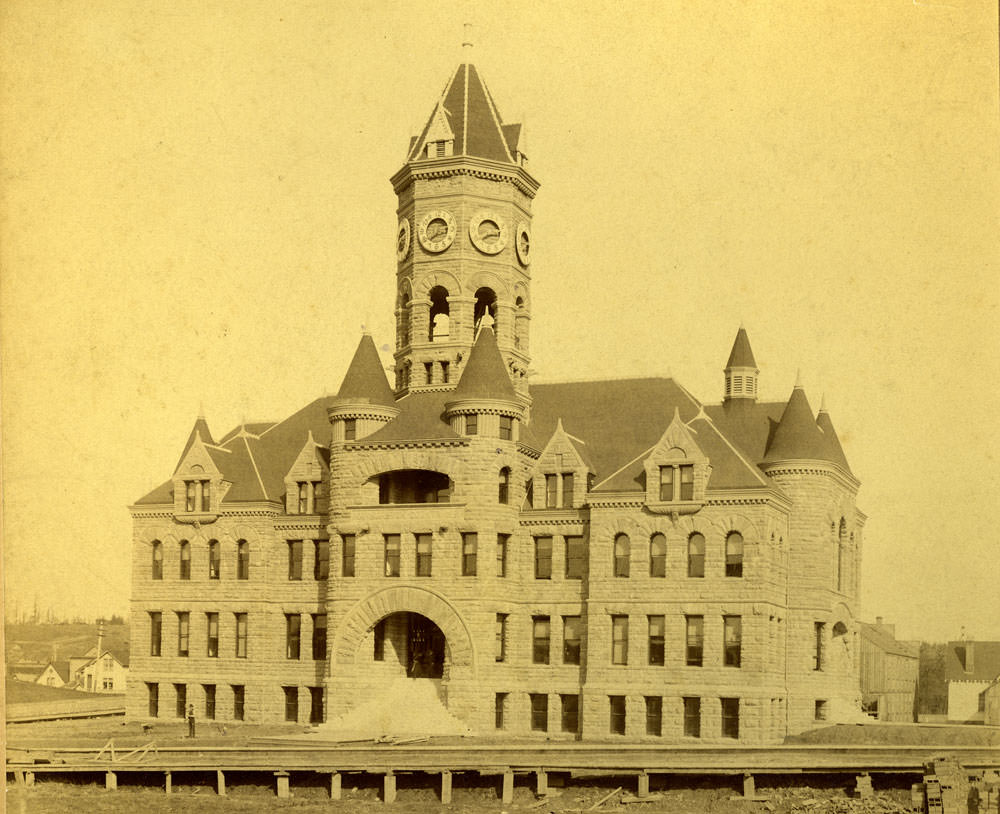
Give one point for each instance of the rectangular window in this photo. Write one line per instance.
(155, 632)
(551, 491)
(243, 560)
(529, 494)
(319, 637)
(654, 715)
(501, 637)
(295, 559)
(570, 713)
(213, 559)
(539, 712)
(730, 717)
(819, 713)
(695, 638)
(241, 635)
(499, 708)
(206, 496)
(209, 690)
(350, 429)
(540, 628)
(183, 632)
(819, 629)
(239, 702)
(303, 498)
(619, 640)
(471, 424)
(692, 717)
(157, 560)
(212, 640)
(567, 487)
(189, 495)
(321, 561)
(666, 483)
(572, 630)
(347, 556)
(293, 635)
(658, 556)
(657, 647)
(153, 693)
(732, 640)
(185, 560)
(378, 653)
(423, 542)
(506, 428)
(316, 705)
(574, 558)
(180, 699)
(687, 482)
(291, 703)
(617, 705)
(470, 551)
(543, 558)
(502, 540)
(392, 555)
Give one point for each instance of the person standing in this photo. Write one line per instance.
(190, 720)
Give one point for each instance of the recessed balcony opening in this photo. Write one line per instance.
(412, 486)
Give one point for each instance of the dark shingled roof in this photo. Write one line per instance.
(365, 379)
(887, 642)
(420, 419)
(485, 375)
(200, 427)
(797, 435)
(741, 354)
(834, 451)
(466, 101)
(985, 661)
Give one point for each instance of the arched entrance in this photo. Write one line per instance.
(410, 642)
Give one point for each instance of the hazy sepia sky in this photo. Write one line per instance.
(196, 210)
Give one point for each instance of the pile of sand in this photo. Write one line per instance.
(409, 707)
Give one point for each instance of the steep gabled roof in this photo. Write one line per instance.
(888, 643)
(834, 451)
(365, 379)
(471, 116)
(985, 661)
(741, 355)
(797, 435)
(485, 375)
(200, 428)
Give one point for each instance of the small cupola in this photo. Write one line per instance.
(741, 370)
(364, 402)
(484, 402)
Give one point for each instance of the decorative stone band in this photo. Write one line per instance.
(512, 409)
(408, 444)
(354, 409)
(812, 467)
(465, 165)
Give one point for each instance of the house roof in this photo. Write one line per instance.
(485, 375)
(421, 418)
(741, 355)
(888, 643)
(985, 661)
(365, 379)
(472, 117)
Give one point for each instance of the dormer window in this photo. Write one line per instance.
(197, 496)
(307, 492)
(677, 482)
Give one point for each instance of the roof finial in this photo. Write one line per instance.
(798, 379)
(467, 41)
(201, 409)
(822, 404)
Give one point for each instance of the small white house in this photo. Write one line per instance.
(107, 672)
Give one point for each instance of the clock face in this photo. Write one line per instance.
(523, 243)
(436, 230)
(487, 232)
(402, 239)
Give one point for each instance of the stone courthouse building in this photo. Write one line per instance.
(598, 559)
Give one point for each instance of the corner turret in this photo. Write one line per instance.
(365, 401)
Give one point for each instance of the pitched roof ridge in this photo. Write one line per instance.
(746, 462)
(421, 138)
(253, 462)
(620, 469)
(687, 393)
(495, 113)
(465, 111)
(288, 417)
(590, 380)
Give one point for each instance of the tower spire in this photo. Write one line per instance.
(741, 370)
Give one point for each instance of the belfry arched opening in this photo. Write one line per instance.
(410, 642)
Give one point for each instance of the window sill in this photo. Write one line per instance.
(675, 507)
(196, 518)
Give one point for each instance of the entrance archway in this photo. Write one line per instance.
(411, 642)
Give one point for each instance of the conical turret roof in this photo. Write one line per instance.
(466, 113)
(365, 380)
(485, 375)
(741, 354)
(797, 435)
(200, 428)
(834, 451)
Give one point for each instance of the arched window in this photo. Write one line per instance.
(503, 491)
(486, 302)
(520, 323)
(185, 572)
(439, 314)
(696, 555)
(404, 319)
(839, 556)
(621, 555)
(734, 554)
(157, 559)
(243, 560)
(214, 559)
(657, 555)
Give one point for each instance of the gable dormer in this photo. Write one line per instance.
(198, 483)
(677, 471)
(440, 139)
(562, 475)
(305, 482)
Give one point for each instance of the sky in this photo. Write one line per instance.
(196, 215)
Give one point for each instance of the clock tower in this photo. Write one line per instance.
(463, 242)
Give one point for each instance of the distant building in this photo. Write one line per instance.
(991, 705)
(55, 674)
(970, 668)
(889, 670)
(106, 673)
